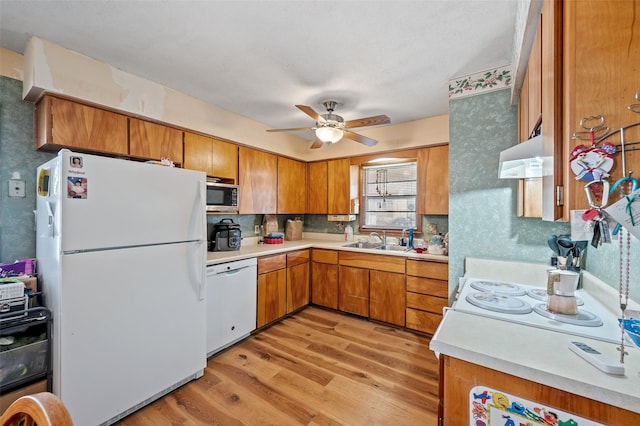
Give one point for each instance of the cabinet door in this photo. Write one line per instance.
(258, 181)
(353, 290)
(297, 286)
(458, 377)
(433, 180)
(272, 296)
(224, 162)
(154, 141)
(339, 186)
(603, 34)
(292, 186)
(198, 153)
(66, 124)
(317, 182)
(324, 284)
(387, 297)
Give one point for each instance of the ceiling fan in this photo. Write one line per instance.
(331, 127)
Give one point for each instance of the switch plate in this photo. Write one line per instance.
(16, 188)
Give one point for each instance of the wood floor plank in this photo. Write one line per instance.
(318, 368)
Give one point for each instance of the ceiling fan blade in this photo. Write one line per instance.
(309, 111)
(369, 121)
(290, 130)
(317, 144)
(359, 138)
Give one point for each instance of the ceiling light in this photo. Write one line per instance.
(329, 134)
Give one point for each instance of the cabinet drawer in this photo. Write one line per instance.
(297, 257)
(422, 321)
(378, 262)
(324, 256)
(426, 303)
(272, 263)
(437, 270)
(428, 286)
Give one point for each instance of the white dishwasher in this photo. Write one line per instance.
(231, 303)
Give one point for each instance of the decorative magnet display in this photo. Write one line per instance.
(489, 407)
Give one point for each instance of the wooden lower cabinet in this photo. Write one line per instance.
(427, 294)
(353, 290)
(387, 297)
(272, 288)
(297, 279)
(324, 278)
(458, 377)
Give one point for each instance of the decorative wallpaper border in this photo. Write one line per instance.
(481, 82)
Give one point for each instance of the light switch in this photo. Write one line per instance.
(16, 188)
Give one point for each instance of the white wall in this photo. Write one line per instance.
(55, 69)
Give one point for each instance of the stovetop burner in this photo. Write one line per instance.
(583, 318)
(541, 295)
(498, 287)
(499, 303)
(527, 306)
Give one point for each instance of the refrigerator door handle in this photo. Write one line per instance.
(203, 271)
(203, 239)
(51, 221)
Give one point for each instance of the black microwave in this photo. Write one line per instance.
(222, 197)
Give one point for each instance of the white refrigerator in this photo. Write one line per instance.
(121, 249)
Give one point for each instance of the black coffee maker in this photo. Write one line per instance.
(226, 236)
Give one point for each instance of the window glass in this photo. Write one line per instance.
(389, 196)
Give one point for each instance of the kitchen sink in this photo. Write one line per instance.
(363, 245)
(393, 247)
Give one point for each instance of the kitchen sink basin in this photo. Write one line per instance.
(363, 245)
(392, 247)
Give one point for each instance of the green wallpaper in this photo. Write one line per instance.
(482, 208)
(17, 222)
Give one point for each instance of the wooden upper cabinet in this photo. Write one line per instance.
(258, 181)
(214, 157)
(534, 77)
(317, 182)
(601, 69)
(342, 186)
(154, 141)
(61, 123)
(292, 186)
(433, 180)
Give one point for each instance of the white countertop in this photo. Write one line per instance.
(251, 248)
(543, 356)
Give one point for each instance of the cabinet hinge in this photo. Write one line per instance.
(559, 195)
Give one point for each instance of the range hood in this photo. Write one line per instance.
(525, 160)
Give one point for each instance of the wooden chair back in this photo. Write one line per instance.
(42, 409)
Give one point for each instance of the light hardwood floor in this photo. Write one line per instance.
(316, 367)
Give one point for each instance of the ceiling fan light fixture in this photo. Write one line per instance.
(329, 134)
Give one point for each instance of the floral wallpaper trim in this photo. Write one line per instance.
(481, 82)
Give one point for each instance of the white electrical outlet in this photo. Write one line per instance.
(17, 188)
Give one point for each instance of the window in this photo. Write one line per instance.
(389, 195)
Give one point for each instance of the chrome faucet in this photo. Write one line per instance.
(383, 238)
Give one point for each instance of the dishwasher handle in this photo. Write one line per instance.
(230, 271)
(231, 267)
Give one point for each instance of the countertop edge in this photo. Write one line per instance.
(258, 250)
(557, 369)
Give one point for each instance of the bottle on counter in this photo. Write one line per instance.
(348, 233)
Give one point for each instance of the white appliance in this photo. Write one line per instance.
(121, 249)
(526, 305)
(231, 315)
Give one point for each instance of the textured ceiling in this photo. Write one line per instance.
(260, 58)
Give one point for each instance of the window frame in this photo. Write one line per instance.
(390, 161)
